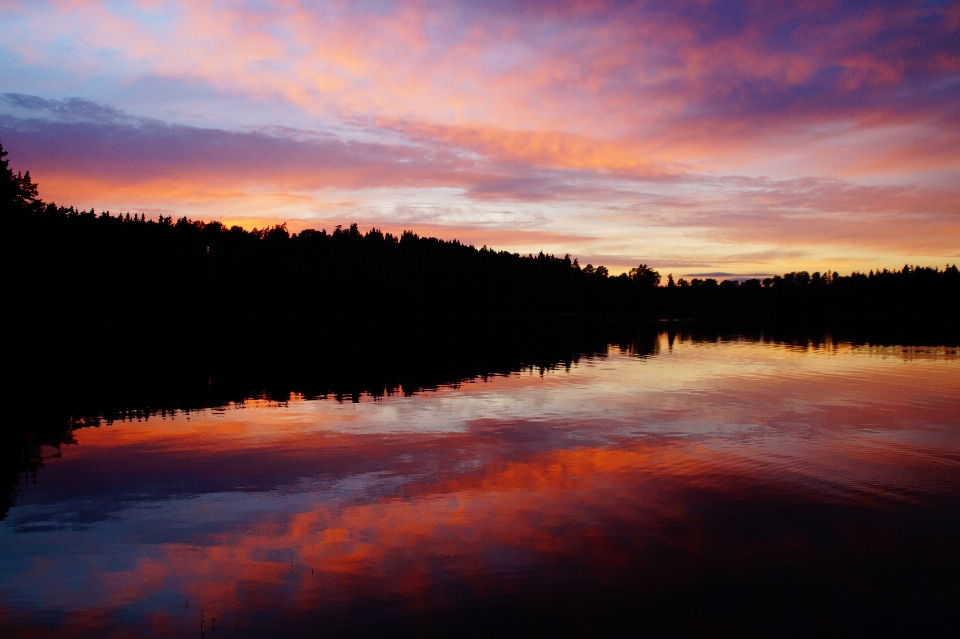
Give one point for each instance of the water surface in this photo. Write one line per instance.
(701, 486)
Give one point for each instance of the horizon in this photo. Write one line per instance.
(740, 277)
(723, 140)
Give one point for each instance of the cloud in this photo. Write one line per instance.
(696, 125)
(120, 149)
(729, 275)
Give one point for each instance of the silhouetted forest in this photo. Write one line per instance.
(77, 271)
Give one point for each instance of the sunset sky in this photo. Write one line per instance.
(729, 138)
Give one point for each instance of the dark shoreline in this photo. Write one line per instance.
(161, 363)
(157, 365)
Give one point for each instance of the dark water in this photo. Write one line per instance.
(704, 488)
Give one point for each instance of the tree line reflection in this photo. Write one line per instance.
(125, 376)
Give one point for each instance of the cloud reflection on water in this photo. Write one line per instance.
(622, 477)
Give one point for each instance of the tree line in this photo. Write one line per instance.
(97, 270)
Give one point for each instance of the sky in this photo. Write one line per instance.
(725, 139)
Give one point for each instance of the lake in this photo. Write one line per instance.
(687, 487)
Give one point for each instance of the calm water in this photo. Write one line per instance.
(705, 487)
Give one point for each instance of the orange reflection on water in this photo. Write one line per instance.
(621, 474)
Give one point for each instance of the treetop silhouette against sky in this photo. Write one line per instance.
(127, 270)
